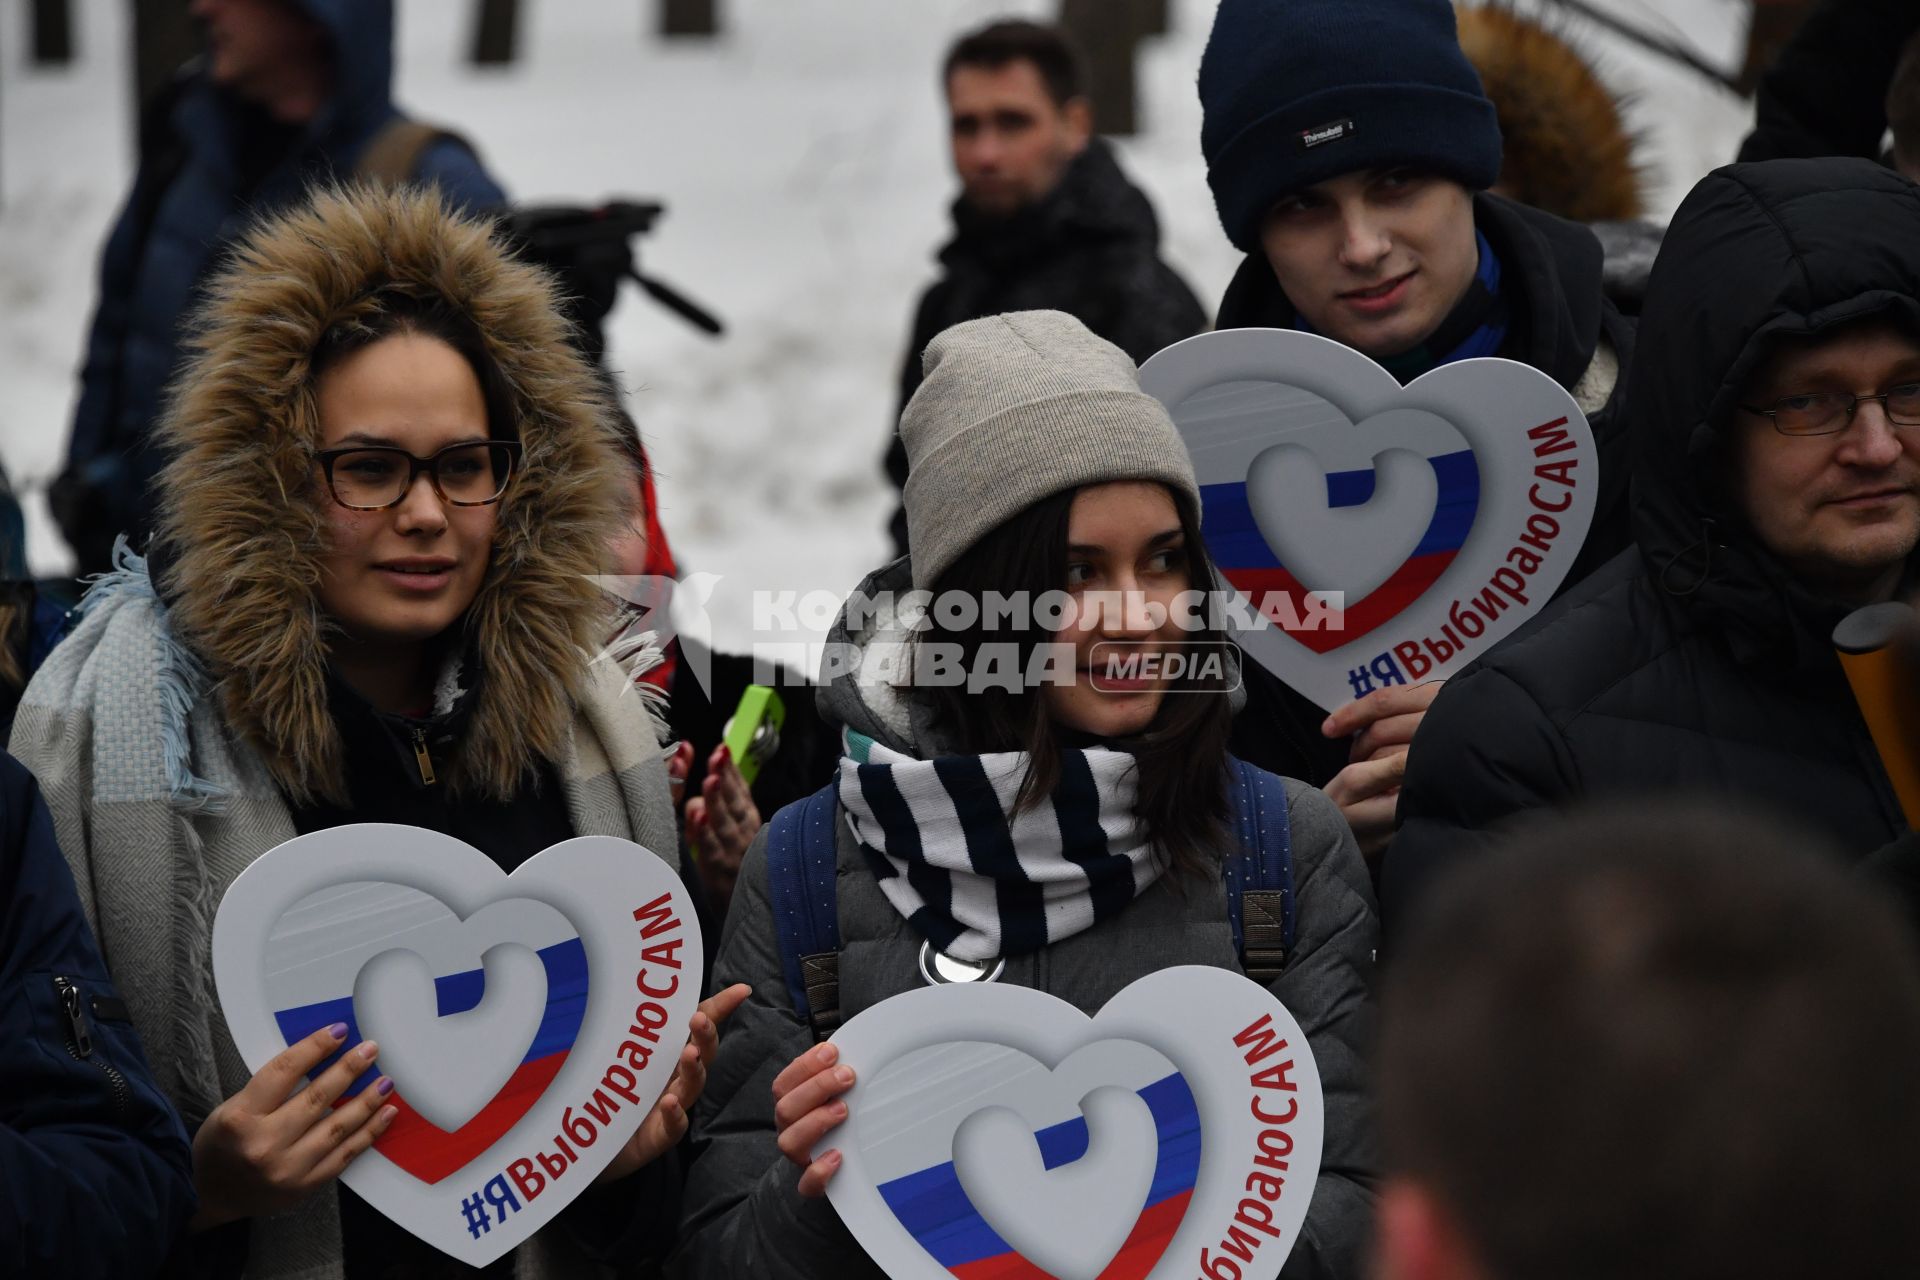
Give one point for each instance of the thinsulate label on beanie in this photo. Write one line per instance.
(1320, 135)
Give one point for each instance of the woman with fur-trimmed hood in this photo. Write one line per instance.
(368, 599)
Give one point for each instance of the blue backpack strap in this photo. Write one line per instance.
(806, 911)
(1259, 876)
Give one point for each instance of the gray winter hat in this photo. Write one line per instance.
(1016, 408)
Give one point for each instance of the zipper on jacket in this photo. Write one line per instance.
(80, 1040)
(420, 755)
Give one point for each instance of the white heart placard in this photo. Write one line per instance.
(997, 1130)
(1371, 534)
(529, 1022)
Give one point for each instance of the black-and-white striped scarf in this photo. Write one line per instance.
(979, 881)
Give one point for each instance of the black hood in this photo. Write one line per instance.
(1756, 252)
(1549, 275)
(1094, 202)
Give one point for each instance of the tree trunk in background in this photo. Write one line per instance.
(52, 33)
(689, 18)
(496, 31)
(164, 39)
(1774, 22)
(1109, 32)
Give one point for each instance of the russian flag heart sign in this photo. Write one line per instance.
(995, 1132)
(1371, 534)
(529, 1022)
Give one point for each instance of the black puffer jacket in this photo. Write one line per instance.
(1090, 249)
(1692, 662)
(1561, 323)
(95, 1176)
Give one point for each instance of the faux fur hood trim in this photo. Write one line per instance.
(1567, 147)
(241, 524)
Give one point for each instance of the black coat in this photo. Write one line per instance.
(95, 1178)
(1090, 249)
(1692, 662)
(1558, 314)
(1826, 94)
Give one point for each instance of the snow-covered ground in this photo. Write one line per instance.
(802, 161)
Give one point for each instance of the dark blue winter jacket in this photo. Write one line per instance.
(206, 170)
(94, 1172)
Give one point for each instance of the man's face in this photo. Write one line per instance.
(1011, 141)
(1841, 511)
(1374, 259)
(251, 44)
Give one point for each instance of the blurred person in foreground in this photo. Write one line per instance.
(1774, 417)
(94, 1175)
(290, 92)
(1665, 1045)
(1045, 220)
(1353, 171)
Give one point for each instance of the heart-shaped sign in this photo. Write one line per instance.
(995, 1130)
(1372, 534)
(529, 1022)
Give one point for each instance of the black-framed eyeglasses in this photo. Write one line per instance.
(374, 477)
(1822, 413)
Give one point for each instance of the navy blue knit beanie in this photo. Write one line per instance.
(1295, 92)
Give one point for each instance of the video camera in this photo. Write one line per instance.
(590, 249)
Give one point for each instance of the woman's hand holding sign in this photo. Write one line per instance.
(719, 823)
(666, 1124)
(806, 1107)
(273, 1144)
(1382, 725)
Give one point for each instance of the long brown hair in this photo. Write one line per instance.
(1181, 756)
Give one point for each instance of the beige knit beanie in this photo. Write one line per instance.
(1016, 408)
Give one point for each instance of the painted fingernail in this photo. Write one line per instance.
(385, 1086)
(844, 1075)
(338, 1031)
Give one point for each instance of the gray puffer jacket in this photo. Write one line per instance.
(743, 1214)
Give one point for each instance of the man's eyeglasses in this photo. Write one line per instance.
(1822, 413)
(375, 477)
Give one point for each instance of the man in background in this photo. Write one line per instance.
(1660, 1045)
(290, 93)
(1045, 221)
